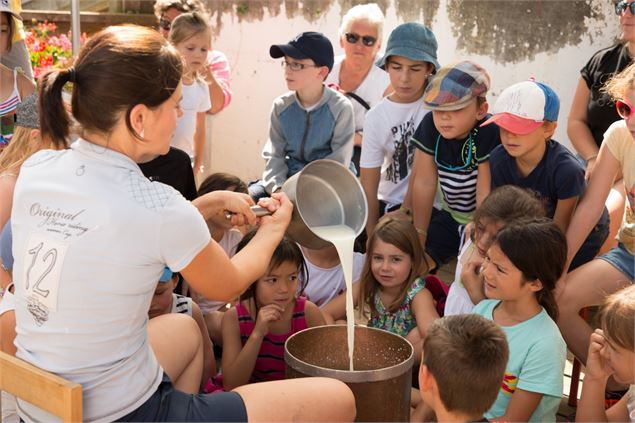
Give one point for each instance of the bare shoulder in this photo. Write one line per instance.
(313, 315)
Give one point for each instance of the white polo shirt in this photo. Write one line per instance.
(91, 236)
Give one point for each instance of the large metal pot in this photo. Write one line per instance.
(324, 193)
(383, 362)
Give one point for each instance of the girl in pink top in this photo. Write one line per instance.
(269, 312)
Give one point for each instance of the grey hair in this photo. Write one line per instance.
(369, 12)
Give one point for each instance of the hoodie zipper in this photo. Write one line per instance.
(306, 132)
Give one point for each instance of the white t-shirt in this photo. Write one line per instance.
(228, 243)
(458, 300)
(371, 89)
(326, 284)
(195, 100)
(91, 237)
(388, 128)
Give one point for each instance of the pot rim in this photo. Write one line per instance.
(347, 376)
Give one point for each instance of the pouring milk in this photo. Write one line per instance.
(343, 238)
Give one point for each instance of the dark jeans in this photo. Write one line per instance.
(592, 243)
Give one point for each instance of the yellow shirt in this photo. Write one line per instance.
(621, 144)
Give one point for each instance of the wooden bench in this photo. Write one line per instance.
(45, 390)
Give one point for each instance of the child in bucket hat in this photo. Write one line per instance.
(387, 153)
(452, 152)
(527, 114)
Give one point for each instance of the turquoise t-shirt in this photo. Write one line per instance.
(537, 354)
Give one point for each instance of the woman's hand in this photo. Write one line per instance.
(597, 366)
(232, 205)
(267, 315)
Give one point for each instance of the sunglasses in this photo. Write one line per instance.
(165, 24)
(624, 109)
(367, 40)
(622, 6)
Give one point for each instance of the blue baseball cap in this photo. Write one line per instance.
(166, 276)
(523, 107)
(307, 45)
(414, 42)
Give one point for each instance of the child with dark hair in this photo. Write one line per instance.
(228, 236)
(520, 271)
(502, 206)
(463, 363)
(527, 114)
(269, 312)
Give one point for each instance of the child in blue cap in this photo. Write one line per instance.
(387, 153)
(452, 153)
(311, 121)
(527, 114)
(165, 301)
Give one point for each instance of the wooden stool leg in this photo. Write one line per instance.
(575, 371)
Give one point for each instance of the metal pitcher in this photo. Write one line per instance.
(324, 193)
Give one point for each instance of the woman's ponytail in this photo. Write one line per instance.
(54, 119)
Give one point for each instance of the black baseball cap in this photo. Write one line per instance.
(307, 45)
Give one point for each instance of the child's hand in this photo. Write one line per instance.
(266, 315)
(597, 365)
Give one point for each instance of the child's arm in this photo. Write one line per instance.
(274, 152)
(591, 405)
(336, 308)
(423, 191)
(369, 177)
(7, 332)
(342, 141)
(240, 361)
(473, 281)
(313, 315)
(578, 127)
(209, 361)
(564, 212)
(199, 142)
(424, 310)
(590, 208)
(521, 406)
(483, 182)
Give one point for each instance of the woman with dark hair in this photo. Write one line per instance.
(92, 236)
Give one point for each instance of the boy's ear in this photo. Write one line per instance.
(549, 128)
(425, 378)
(324, 72)
(482, 110)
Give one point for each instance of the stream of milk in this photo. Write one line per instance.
(343, 238)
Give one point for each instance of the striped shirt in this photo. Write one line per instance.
(7, 113)
(270, 361)
(457, 162)
(181, 304)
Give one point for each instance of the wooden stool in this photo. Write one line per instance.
(45, 390)
(575, 371)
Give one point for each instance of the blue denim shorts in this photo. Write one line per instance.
(620, 258)
(169, 405)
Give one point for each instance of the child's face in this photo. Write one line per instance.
(168, 16)
(162, 299)
(5, 23)
(390, 266)
(408, 78)
(457, 124)
(279, 285)
(518, 145)
(503, 280)
(621, 361)
(194, 51)
(485, 231)
(308, 77)
(629, 97)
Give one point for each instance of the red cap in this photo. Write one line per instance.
(514, 124)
